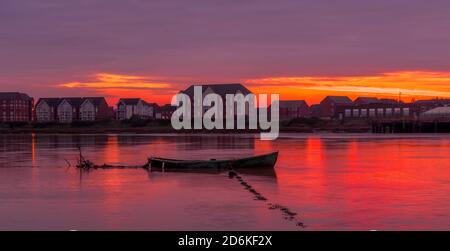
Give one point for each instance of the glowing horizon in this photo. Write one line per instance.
(409, 85)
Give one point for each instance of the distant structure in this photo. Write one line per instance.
(165, 112)
(66, 110)
(439, 114)
(330, 104)
(374, 111)
(221, 89)
(290, 109)
(366, 101)
(128, 108)
(16, 107)
(421, 106)
(314, 110)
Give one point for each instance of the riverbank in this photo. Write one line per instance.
(161, 126)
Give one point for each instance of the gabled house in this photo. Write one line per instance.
(66, 110)
(95, 108)
(135, 107)
(129, 107)
(290, 109)
(329, 105)
(69, 109)
(46, 109)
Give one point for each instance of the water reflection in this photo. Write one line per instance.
(334, 181)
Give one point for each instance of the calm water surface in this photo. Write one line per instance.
(334, 182)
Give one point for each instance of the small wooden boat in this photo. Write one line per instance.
(257, 162)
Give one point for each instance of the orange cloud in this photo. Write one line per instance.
(106, 80)
(116, 86)
(411, 84)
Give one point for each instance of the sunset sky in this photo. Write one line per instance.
(152, 49)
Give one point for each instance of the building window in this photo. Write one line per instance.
(363, 112)
(397, 111)
(388, 111)
(406, 112)
(372, 113)
(87, 116)
(348, 113)
(355, 112)
(380, 112)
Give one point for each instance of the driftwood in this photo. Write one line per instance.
(86, 165)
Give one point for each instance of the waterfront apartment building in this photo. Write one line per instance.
(220, 89)
(69, 109)
(128, 108)
(16, 107)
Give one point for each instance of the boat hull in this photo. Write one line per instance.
(256, 162)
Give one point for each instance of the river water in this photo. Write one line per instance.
(333, 182)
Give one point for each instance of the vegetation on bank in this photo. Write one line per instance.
(135, 125)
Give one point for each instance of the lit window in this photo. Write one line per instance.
(348, 113)
(405, 112)
(388, 111)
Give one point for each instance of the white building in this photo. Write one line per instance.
(134, 107)
(46, 109)
(67, 110)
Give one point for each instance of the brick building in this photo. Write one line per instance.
(16, 107)
(290, 109)
(330, 104)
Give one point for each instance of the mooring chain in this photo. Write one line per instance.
(287, 213)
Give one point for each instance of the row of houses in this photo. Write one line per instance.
(19, 107)
(66, 110)
(362, 108)
(15, 106)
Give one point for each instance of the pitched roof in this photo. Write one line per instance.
(339, 99)
(50, 101)
(14, 95)
(130, 101)
(439, 111)
(388, 101)
(221, 89)
(167, 108)
(95, 100)
(150, 104)
(433, 101)
(366, 100)
(74, 101)
(292, 103)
